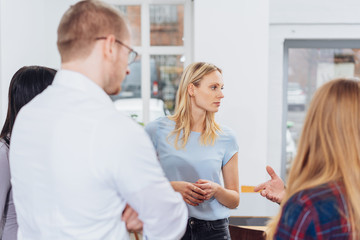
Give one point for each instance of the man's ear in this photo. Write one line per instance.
(190, 89)
(109, 46)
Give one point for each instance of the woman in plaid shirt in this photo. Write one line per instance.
(322, 197)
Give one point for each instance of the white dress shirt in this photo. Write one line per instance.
(75, 162)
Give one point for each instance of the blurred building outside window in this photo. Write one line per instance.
(161, 34)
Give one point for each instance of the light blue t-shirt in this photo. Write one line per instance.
(194, 162)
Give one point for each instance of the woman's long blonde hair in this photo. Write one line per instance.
(192, 74)
(329, 148)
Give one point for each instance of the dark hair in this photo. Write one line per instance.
(26, 83)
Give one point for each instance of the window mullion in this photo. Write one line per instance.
(188, 32)
(145, 58)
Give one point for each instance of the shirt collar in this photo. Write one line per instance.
(78, 81)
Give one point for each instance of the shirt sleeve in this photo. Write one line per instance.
(140, 180)
(231, 146)
(296, 222)
(4, 177)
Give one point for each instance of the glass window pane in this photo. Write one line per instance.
(129, 101)
(308, 69)
(131, 86)
(165, 77)
(166, 25)
(133, 15)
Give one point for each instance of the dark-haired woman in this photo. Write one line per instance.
(26, 83)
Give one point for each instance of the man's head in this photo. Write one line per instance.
(85, 21)
(92, 26)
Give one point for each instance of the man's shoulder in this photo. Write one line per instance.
(124, 129)
(119, 120)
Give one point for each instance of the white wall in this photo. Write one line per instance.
(234, 36)
(27, 37)
(314, 12)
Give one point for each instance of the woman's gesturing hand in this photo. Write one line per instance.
(274, 189)
(192, 194)
(209, 187)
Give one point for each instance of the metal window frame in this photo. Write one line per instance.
(304, 43)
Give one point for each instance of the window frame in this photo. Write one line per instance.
(304, 43)
(146, 50)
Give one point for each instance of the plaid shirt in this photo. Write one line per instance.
(316, 213)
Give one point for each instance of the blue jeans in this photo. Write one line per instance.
(207, 230)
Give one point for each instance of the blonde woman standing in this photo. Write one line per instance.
(194, 150)
(322, 195)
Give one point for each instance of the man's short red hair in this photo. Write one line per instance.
(82, 23)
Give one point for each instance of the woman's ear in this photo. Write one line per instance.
(190, 89)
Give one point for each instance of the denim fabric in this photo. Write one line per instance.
(207, 230)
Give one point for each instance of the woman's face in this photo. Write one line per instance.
(207, 96)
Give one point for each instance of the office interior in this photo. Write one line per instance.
(273, 53)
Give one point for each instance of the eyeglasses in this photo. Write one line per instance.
(132, 53)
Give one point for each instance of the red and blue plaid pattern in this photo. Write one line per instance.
(316, 213)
